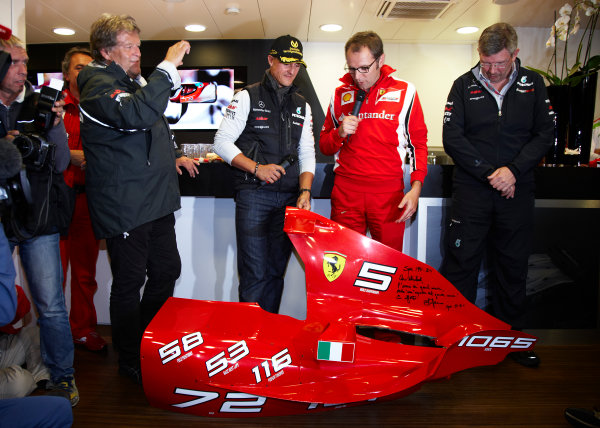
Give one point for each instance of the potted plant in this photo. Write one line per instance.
(572, 88)
(563, 29)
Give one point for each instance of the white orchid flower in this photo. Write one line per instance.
(590, 7)
(565, 10)
(562, 27)
(562, 22)
(551, 42)
(575, 27)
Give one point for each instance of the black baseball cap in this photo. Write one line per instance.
(287, 49)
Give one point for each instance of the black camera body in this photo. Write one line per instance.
(5, 62)
(15, 191)
(44, 116)
(14, 184)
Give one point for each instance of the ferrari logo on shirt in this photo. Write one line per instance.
(333, 265)
(347, 97)
(391, 96)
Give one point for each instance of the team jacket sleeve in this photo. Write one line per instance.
(542, 135)
(329, 140)
(58, 135)
(107, 101)
(456, 145)
(417, 139)
(306, 147)
(232, 125)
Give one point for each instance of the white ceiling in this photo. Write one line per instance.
(268, 19)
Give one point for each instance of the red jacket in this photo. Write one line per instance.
(392, 129)
(74, 175)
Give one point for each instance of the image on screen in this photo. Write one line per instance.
(204, 95)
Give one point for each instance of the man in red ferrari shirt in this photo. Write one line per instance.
(370, 148)
(80, 247)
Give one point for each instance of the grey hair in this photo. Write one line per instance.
(497, 37)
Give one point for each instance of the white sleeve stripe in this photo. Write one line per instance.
(232, 127)
(306, 146)
(170, 70)
(98, 122)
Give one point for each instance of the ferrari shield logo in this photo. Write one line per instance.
(333, 265)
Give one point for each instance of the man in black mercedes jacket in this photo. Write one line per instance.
(131, 178)
(265, 123)
(498, 124)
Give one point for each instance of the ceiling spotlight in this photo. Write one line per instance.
(232, 10)
(195, 28)
(330, 27)
(467, 30)
(63, 31)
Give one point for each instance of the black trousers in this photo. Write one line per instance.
(145, 256)
(482, 219)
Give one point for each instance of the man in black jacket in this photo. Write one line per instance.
(498, 125)
(35, 229)
(265, 123)
(131, 179)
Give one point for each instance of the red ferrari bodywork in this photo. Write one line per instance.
(379, 323)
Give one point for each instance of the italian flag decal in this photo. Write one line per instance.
(335, 351)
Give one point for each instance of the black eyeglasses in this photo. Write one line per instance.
(499, 65)
(364, 69)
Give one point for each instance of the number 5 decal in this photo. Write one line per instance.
(375, 276)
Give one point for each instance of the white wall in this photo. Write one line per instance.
(12, 15)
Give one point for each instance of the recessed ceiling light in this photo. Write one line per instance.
(195, 28)
(64, 31)
(467, 30)
(330, 27)
(233, 10)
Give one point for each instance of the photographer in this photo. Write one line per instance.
(35, 228)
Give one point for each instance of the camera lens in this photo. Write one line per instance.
(25, 145)
(28, 145)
